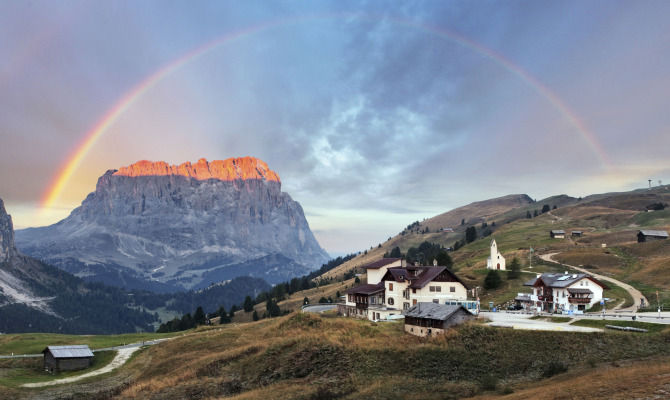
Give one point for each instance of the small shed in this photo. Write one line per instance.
(557, 234)
(427, 319)
(576, 233)
(647, 235)
(67, 358)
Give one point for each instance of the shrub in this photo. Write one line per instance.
(488, 382)
(554, 368)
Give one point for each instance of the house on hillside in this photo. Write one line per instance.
(366, 301)
(495, 260)
(576, 234)
(428, 319)
(564, 293)
(405, 287)
(67, 358)
(376, 270)
(557, 234)
(402, 287)
(649, 235)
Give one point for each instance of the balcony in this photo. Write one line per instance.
(579, 300)
(548, 299)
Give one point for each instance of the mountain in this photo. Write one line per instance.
(173, 227)
(35, 297)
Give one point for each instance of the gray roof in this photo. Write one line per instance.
(72, 351)
(558, 232)
(433, 311)
(562, 280)
(646, 232)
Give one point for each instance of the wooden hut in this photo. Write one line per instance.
(426, 319)
(67, 358)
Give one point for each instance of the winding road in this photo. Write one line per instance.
(634, 293)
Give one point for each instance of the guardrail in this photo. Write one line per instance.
(626, 328)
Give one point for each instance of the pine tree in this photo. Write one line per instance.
(492, 280)
(225, 318)
(255, 316)
(199, 318)
(248, 304)
(514, 269)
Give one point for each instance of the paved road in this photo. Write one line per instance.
(319, 308)
(523, 321)
(634, 293)
(127, 346)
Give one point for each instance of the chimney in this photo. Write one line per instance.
(403, 263)
(434, 263)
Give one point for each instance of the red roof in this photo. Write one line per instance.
(366, 289)
(380, 263)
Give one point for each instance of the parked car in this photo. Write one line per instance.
(515, 307)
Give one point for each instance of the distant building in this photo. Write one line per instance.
(554, 292)
(67, 358)
(648, 235)
(428, 319)
(495, 260)
(557, 234)
(576, 233)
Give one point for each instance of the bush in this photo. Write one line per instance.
(554, 368)
(488, 382)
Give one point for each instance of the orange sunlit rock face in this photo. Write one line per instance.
(225, 170)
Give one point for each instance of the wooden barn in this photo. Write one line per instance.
(428, 319)
(557, 234)
(648, 235)
(67, 358)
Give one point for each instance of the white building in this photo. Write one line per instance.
(376, 270)
(565, 292)
(495, 260)
(400, 288)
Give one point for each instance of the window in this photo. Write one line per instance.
(414, 302)
(436, 301)
(390, 301)
(405, 306)
(452, 289)
(351, 298)
(438, 288)
(413, 290)
(373, 300)
(391, 288)
(432, 288)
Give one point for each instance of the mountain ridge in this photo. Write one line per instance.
(158, 227)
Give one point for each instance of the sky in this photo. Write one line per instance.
(374, 114)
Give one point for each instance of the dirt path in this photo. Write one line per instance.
(634, 293)
(120, 359)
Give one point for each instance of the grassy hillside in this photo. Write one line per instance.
(305, 356)
(610, 219)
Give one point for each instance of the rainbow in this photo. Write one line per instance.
(91, 137)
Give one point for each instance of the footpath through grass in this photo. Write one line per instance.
(34, 343)
(599, 323)
(16, 372)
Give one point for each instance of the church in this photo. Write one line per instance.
(495, 260)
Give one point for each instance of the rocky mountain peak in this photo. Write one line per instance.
(231, 169)
(7, 248)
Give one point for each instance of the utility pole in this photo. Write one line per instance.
(658, 303)
(649, 183)
(530, 258)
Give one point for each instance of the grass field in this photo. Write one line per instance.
(34, 343)
(16, 372)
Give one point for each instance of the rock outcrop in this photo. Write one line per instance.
(164, 227)
(7, 248)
